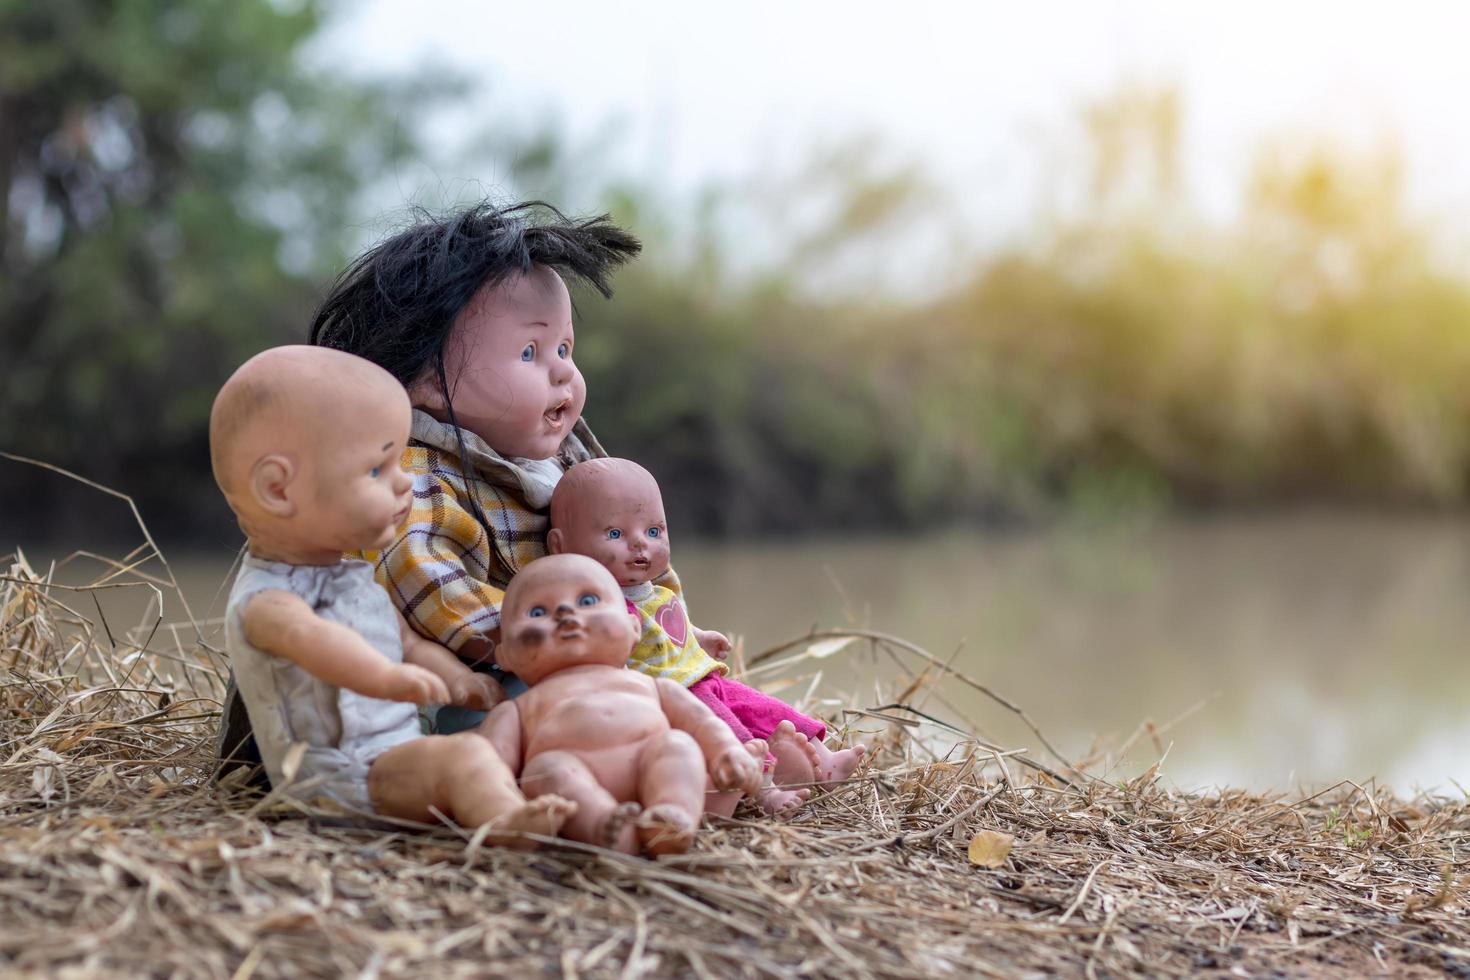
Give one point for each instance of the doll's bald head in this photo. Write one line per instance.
(290, 429)
(611, 510)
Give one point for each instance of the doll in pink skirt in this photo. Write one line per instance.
(611, 510)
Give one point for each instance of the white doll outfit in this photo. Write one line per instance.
(343, 731)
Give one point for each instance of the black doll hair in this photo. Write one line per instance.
(396, 304)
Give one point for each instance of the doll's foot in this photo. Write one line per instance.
(544, 816)
(834, 767)
(666, 829)
(619, 830)
(797, 760)
(776, 800)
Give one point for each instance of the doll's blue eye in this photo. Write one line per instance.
(374, 472)
(529, 353)
(614, 534)
(563, 350)
(654, 532)
(587, 599)
(536, 612)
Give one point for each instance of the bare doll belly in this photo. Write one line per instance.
(606, 730)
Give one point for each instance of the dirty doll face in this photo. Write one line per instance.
(512, 380)
(615, 517)
(563, 611)
(628, 536)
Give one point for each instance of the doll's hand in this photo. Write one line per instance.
(479, 691)
(406, 682)
(717, 645)
(735, 769)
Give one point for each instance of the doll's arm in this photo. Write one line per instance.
(730, 764)
(466, 688)
(503, 730)
(717, 645)
(282, 624)
(479, 649)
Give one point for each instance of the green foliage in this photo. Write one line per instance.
(1130, 356)
(179, 186)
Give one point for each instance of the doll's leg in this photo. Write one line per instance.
(764, 715)
(707, 690)
(722, 804)
(600, 819)
(671, 781)
(462, 776)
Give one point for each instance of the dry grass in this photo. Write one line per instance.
(118, 855)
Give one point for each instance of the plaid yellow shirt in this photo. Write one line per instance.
(445, 571)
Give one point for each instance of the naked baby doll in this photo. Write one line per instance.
(631, 751)
(611, 510)
(305, 444)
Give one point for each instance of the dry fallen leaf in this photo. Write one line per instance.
(826, 648)
(990, 848)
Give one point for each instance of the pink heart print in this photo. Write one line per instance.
(671, 619)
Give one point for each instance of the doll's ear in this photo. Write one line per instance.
(269, 479)
(555, 544)
(424, 392)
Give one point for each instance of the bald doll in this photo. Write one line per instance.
(305, 443)
(634, 753)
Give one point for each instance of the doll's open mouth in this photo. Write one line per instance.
(556, 415)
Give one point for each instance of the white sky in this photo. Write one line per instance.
(974, 92)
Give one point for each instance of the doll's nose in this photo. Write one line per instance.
(564, 610)
(562, 371)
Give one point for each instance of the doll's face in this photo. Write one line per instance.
(563, 611)
(617, 520)
(509, 364)
(355, 493)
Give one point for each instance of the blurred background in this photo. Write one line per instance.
(1119, 352)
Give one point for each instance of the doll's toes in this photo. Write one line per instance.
(797, 760)
(778, 800)
(542, 816)
(618, 829)
(837, 766)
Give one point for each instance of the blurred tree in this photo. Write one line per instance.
(174, 181)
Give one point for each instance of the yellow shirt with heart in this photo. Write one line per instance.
(667, 646)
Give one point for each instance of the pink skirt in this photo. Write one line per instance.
(748, 712)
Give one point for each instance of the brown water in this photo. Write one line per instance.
(1325, 646)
